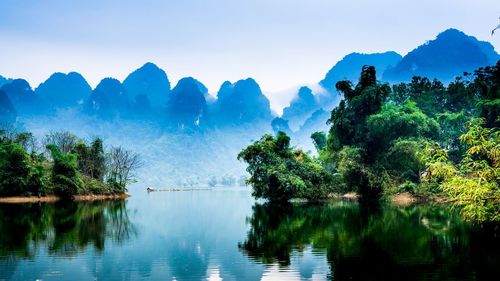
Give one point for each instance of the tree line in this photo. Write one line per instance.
(62, 164)
(421, 137)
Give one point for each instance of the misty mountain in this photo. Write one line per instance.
(4, 81)
(300, 108)
(23, 98)
(148, 85)
(280, 125)
(7, 112)
(449, 55)
(240, 103)
(186, 105)
(108, 100)
(315, 123)
(64, 90)
(348, 68)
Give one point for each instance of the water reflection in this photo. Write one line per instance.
(373, 242)
(63, 229)
(195, 236)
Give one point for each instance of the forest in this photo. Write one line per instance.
(422, 137)
(63, 165)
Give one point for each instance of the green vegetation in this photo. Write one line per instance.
(420, 137)
(280, 173)
(66, 167)
(472, 183)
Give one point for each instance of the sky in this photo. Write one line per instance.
(280, 43)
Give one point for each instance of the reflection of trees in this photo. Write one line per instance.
(63, 228)
(384, 243)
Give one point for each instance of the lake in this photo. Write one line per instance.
(224, 234)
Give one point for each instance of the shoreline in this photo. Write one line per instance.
(53, 198)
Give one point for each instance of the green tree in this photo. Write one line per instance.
(19, 174)
(280, 173)
(473, 184)
(319, 140)
(65, 176)
(348, 120)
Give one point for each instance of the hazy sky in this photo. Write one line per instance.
(280, 43)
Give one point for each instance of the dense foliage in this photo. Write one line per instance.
(472, 183)
(62, 165)
(412, 138)
(279, 172)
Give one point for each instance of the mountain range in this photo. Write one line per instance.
(147, 94)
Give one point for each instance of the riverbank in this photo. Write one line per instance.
(53, 198)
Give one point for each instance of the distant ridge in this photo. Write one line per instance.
(108, 100)
(348, 68)
(186, 105)
(146, 93)
(7, 112)
(449, 55)
(148, 84)
(240, 103)
(64, 90)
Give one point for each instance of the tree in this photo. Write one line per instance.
(19, 175)
(348, 120)
(280, 173)
(64, 140)
(65, 176)
(319, 140)
(473, 184)
(394, 122)
(91, 158)
(121, 167)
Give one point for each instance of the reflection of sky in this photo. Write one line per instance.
(281, 43)
(181, 236)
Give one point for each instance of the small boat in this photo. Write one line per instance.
(149, 189)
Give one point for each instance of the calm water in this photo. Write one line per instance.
(225, 234)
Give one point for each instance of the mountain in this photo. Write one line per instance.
(186, 105)
(449, 55)
(7, 111)
(24, 100)
(4, 81)
(281, 125)
(148, 85)
(108, 100)
(64, 90)
(240, 103)
(301, 107)
(348, 68)
(315, 123)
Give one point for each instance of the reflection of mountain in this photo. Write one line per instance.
(373, 243)
(62, 229)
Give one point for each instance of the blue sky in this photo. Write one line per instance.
(280, 43)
